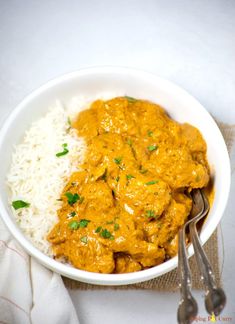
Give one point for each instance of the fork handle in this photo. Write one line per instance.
(187, 309)
(215, 297)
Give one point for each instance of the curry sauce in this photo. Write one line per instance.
(122, 211)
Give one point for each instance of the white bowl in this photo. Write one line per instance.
(92, 83)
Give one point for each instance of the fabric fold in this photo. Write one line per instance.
(30, 293)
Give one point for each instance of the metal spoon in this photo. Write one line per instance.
(215, 298)
(187, 309)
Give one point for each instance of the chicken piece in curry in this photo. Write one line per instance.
(122, 211)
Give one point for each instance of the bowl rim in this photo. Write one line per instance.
(92, 277)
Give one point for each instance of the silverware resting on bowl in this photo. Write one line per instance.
(215, 298)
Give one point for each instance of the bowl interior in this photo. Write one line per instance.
(109, 82)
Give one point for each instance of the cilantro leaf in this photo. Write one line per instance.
(84, 239)
(98, 229)
(130, 99)
(117, 160)
(116, 227)
(151, 182)
(106, 234)
(152, 148)
(72, 199)
(64, 152)
(72, 214)
(83, 223)
(17, 204)
(129, 176)
(74, 225)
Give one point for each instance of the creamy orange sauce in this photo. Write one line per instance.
(122, 211)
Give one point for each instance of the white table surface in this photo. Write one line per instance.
(189, 42)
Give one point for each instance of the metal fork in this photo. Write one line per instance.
(215, 298)
(187, 309)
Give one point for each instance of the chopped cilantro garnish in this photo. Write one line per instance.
(152, 148)
(117, 160)
(151, 182)
(129, 176)
(150, 133)
(83, 223)
(130, 99)
(77, 224)
(129, 142)
(109, 222)
(64, 152)
(72, 214)
(106, 234)
(17, 204)
(72, 199)
(117, 179)
(98, 229)
(84, 239)
(116, 227)
(150, 213)
(74, 225)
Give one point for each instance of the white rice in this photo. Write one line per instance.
(38, 176)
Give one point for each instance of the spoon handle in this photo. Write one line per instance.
(187, 309)
(215, 298)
